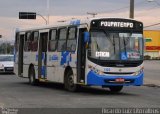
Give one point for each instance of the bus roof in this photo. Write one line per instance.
(69, 23)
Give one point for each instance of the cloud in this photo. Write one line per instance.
(68, 9)
(10, 8)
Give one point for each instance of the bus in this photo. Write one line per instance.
(105, 52)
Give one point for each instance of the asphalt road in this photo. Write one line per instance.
(16, 92)
(152, 72)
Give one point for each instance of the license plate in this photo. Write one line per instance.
(120, 80)
(9, 68)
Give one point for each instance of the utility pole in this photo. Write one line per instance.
(48, 2)
(131, 14)
(44, 18)
(93, 14)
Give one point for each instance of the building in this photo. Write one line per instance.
(152, 43)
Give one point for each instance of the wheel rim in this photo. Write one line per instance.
(31, 78)
(70, 81)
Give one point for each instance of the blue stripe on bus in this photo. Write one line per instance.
(65, 58)
(53, 57)
(43, 57)
(43, 71)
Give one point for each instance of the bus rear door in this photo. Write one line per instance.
(42, 56)
(20, 54)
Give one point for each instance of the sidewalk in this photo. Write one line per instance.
(152, 73)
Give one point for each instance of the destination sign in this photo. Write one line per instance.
(116, 24)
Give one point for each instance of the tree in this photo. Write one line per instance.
(6, 48)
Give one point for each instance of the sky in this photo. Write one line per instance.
(147, 12)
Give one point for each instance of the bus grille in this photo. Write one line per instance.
(119, 73)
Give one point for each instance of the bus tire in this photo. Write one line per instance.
(32, 79)
(115, 89)
(69, 82)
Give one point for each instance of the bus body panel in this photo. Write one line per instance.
(57, 62)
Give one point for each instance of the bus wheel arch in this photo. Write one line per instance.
(69, 80)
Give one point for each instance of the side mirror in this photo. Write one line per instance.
(86, 37)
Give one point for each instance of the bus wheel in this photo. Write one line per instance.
(32, 79)
(115, 89)
(69, 82)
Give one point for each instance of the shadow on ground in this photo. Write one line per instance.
(84, 90)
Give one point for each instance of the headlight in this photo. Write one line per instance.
(101, 73)
(95, 70)
(1, 66)
(138, 72)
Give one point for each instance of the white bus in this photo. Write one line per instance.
(106, 52)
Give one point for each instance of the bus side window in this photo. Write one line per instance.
(35, 36)
(44, 37)
(27, 42)
(62, 39)
(52, 40)
(71, 41)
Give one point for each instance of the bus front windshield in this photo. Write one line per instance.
(115, 46)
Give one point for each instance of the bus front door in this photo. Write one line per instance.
(42, 56)
(81, 57)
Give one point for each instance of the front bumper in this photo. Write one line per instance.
(7, 69)
(103, 80)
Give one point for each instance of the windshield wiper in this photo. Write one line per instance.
(97, 46)
(124, 42)
(113, 43)
(98, 51)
